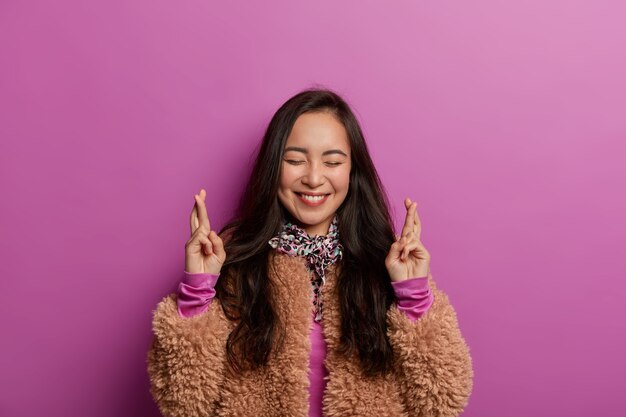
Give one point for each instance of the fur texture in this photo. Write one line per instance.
(189, 374)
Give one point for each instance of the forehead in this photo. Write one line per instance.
(319, 131)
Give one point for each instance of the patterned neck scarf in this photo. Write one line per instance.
(319, 251)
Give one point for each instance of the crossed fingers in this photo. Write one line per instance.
(199, 216)
(412, 229)
(412, 223)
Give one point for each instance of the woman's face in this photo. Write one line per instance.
(315, 173)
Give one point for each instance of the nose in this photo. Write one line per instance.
(313, 177)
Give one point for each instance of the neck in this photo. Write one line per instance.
(320, 229)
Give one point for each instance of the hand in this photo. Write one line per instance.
(407, 257)
(204, 251)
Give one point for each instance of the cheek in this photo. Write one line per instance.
(341, 180)
(286, 177)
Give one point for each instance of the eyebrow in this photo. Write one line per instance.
(305, 151)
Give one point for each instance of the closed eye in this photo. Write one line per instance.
(298, 162)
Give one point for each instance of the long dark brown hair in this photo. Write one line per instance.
(365, 231)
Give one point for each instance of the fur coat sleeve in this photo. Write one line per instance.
(432, 360)
(186, 359)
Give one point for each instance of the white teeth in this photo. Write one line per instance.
(312, 198)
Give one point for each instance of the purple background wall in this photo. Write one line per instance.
(503, 119)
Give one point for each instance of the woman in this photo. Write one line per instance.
(319, 308)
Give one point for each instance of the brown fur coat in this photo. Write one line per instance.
(189, 375)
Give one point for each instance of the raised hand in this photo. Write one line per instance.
(407, 257)
(204, 251)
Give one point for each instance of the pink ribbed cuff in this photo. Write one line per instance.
(195, 293)
(413, 297)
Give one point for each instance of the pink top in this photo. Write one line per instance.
(413, 297)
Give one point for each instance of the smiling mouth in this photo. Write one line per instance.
(312, 199)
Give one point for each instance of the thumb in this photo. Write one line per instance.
(394, 251)
(392, 257)
(218, 245)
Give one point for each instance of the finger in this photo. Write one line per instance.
(218, 245)
(409, 220)
(418, 247)
(407, 204)
(406, 242)
(207, 247)
(193, 218)
(410, 247)
(420, 250)
(401, 245)
(203, 217)
(417, 227)
(394, 252)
